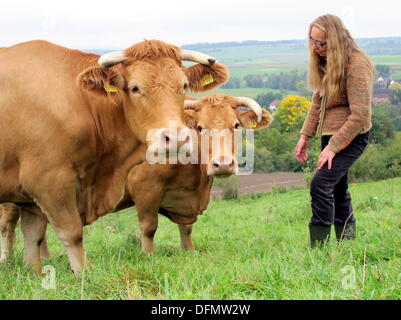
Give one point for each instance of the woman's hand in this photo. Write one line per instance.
(301, 150)
(326, 155)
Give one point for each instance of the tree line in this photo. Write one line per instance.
(283, 80)
(372, 46)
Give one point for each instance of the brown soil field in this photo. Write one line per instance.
(264, 182)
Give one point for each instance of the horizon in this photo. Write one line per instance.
(242, 42)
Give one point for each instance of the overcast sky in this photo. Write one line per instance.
(116, 24)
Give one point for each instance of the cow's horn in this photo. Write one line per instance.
(251, 104)
(191, 104)
(110, 59)
(195, 56)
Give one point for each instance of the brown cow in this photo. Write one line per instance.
(182, 192)
(73, 125)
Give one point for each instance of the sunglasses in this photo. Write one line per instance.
(318, 44)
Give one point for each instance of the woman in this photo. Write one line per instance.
(341, 76)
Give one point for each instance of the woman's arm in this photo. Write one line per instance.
(312, 119)
(359, 92)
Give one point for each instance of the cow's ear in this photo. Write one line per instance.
(249, 120)
(101, 81)
(190, 118)
(202, 77)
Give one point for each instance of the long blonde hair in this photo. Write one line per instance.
(329, 78)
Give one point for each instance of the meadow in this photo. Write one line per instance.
(261, 59)
(254, 247)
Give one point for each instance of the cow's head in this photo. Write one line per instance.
(216, 117)
(150, 83)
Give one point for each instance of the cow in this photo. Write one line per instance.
(181, 192)
(178, 191)
(72, 126)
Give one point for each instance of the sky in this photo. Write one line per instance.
(117, 24)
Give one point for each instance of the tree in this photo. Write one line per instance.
(383, 70)
(395, 86)
(303, 89)
(291, 112)
(234, 83)
(396, 96)
(266, 98)
(382, 130)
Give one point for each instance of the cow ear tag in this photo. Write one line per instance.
(254, 125)
(110, 88)
(207, 79)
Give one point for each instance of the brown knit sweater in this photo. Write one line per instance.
(346, 117)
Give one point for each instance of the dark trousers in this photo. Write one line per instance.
(331, 200)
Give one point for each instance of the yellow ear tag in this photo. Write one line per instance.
(254, 125)
(207, 79)
(110, 88)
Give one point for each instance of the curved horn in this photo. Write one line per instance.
(195, 56)
(110, 59)
(251, 104)
(191, 104)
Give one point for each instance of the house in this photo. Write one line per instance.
(381, 83)
(274, 105)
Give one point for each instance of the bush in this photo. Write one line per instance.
(229, 187)
(370, 166)
(291, 113)
(378, 162)
(264, 160)
(383, 129)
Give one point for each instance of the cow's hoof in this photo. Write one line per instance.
(147, 253)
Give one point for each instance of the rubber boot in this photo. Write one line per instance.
(319, 235)
(345, 231)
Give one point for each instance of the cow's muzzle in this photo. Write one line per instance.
(222, 167)
(169, 143)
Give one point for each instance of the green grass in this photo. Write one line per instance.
(255, 247)
(397, 76)
(396, 59)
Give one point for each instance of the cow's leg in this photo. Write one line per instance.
(33, 225)
(148, 220)
(44, 249)
(147, 200)
(56, 196)
(68, 228)
(186, 237)
(9, 215)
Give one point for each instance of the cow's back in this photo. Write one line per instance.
(42, 112)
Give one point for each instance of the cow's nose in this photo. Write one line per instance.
(166, 137)
(181, 142)
(223, 168)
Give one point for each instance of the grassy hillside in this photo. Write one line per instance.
(252, 248)
(244, 58)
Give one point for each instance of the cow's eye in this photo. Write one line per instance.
(237, 125)
(135, 90)
(186, 85)
(199, 128)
